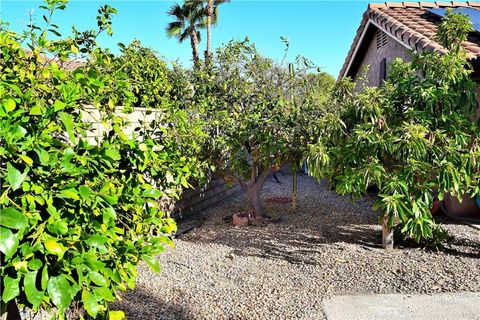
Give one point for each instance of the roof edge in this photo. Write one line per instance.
(367, 19)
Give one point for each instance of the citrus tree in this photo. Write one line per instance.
(415, 137)
(308, 94)
(147, 74)
(78, 214)
(254, 115)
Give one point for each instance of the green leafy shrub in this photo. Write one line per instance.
(415, 137)
(78, 215)
(258, 114)
(146, 73)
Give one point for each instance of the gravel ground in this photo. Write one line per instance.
(284, 271)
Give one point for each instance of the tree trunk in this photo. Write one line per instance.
(255, 200)
(254, 189)
(194, 44)
(294, 188)
(209, 29)
(387, 235)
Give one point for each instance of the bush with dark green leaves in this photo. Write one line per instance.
(146, 73)
(78, 215)
(259, 114)
(415, 137)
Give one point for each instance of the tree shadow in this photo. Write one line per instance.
(297, 239)
(139, 304)
(334, 221)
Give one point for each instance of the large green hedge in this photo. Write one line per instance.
(77, 216)
(416, 137)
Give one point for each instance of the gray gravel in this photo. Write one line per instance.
(284, 271)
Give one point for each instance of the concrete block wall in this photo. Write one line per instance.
(195, 200)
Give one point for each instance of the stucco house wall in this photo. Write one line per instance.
(381, 47)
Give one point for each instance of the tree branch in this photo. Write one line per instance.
(263, 176)
(253, 174)
(228, 175)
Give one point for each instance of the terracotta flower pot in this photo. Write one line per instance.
(465, 209)
(436, 205)
(241, 218)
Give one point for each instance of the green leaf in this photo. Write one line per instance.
(36, 110)
(14, 176)
(59, 105)
(104, 293)
(44, 279)
(84, 191)
(152, 193)
(152, 262)
(26, 159)
(55, 248)
(90, 303)
(97, 278)
(8, 242)
(67, 120)
(109, 199)
(143, 147)
(11, 288)
(9, 105)
(59, 291)
(43, 156)
(70, 194)
(113, 154)
(96, 240)
(33, 295)
(13, 219)
(116, 315)
(58, 227)
(35, 264)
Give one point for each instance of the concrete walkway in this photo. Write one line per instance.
(444, 306)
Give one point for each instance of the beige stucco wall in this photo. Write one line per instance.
(393, 49)
(374, 56)
(134, 120)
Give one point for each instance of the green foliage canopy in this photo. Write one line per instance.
(415, 137)
(258, 114)
(78, 215)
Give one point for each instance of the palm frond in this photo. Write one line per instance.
(174, 29)
(199, 37)
(195, 4)
(219, 2)
(215, 16)
(184, 36)
(177, 11)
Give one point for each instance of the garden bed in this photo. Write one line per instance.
(330, 246)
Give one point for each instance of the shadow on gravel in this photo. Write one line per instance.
(141, 305)
(324, 221)
(299, 239)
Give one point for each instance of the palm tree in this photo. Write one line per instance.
(211, 12)
(189, 18)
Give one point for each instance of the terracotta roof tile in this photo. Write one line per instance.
(411, 4)
(408, 23)
(427, 4)
(393, 4)
(443, 4)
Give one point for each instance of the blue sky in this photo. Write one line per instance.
(320, 30)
